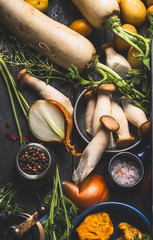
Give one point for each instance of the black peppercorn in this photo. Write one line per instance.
(33, 161)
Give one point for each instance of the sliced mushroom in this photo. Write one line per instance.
(123, 133)
(91, 103)
(136, 116)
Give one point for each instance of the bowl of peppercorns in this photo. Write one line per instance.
(34, 163)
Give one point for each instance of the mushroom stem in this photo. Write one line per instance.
(123, 133)
(94, 150)
(91, 103)
(136, 116)
(103, 105)
(45, 91)
(91, 155)
(115, 60)
(111, 143)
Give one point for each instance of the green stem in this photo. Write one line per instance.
(13, 106)
(62, 196)
(54, 203)
(99, 66)
(146, 41)
(135, 40)
(12, 196)
(17, 93)
(133, 94)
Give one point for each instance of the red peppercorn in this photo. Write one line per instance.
(7, 124)
(8, 134)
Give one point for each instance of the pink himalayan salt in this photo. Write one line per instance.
(125, 172)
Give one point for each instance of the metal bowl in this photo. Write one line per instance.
(36, 179)
(118, 212)
(123, 158)
(79, 112)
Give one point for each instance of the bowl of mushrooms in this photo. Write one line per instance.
(123, 123)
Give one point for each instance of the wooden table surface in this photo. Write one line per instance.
(65, 12)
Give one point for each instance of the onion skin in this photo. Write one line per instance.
(90, 191)
(68, 126)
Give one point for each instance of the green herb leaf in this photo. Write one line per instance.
(10, 201)
(144, 237)
(62, 212)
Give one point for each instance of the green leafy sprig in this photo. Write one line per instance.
(62, 212)
(141, 99)
(136, 86)
(140, 43)
(10, 199)
(144, 237)
(25, 55)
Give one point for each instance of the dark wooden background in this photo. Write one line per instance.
(64, 12)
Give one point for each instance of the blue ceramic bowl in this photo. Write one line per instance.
(118, 212)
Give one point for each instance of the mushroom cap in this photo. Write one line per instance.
(20, 78)
(107, 45)
(107, 88)
(124, 142)
(89, 95)
(21, 73)
(144, 129)
(109, 123)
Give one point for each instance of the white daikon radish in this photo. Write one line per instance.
(54, 40)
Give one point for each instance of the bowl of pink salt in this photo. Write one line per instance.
(125, 170)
